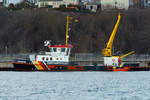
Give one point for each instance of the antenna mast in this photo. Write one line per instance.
(67, 29)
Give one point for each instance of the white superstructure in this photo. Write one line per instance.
(59, 54)
(111, 61)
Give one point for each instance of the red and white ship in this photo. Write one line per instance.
(57, 59)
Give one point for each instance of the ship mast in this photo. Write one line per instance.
(67, 29)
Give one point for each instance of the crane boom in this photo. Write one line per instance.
(126, 54)
(108, 50)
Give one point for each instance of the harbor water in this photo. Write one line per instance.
(74, 85)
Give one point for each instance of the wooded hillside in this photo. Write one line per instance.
(24, 31)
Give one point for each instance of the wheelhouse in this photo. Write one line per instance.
(57, 54)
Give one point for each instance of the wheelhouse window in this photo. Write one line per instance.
(43, 58)
(68, 50)
(51, 49)
(51, 58)
(55, 49)
(47, 58)
(62, 49)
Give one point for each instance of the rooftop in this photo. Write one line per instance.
(60, 46)
(50, 0)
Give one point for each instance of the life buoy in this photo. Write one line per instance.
(113, 60)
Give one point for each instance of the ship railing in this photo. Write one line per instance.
(98, 57)
(86, 57)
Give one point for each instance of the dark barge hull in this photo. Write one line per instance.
(32, 67)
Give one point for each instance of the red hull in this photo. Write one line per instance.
(42, 67)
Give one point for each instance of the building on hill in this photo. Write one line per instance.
(141, 3)
(50, 3)
(112, 4)
(56, 3)
(7, 2)
(91, 7)
(147, 3)
(70, 2)
(35, 2)
(1, 3)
